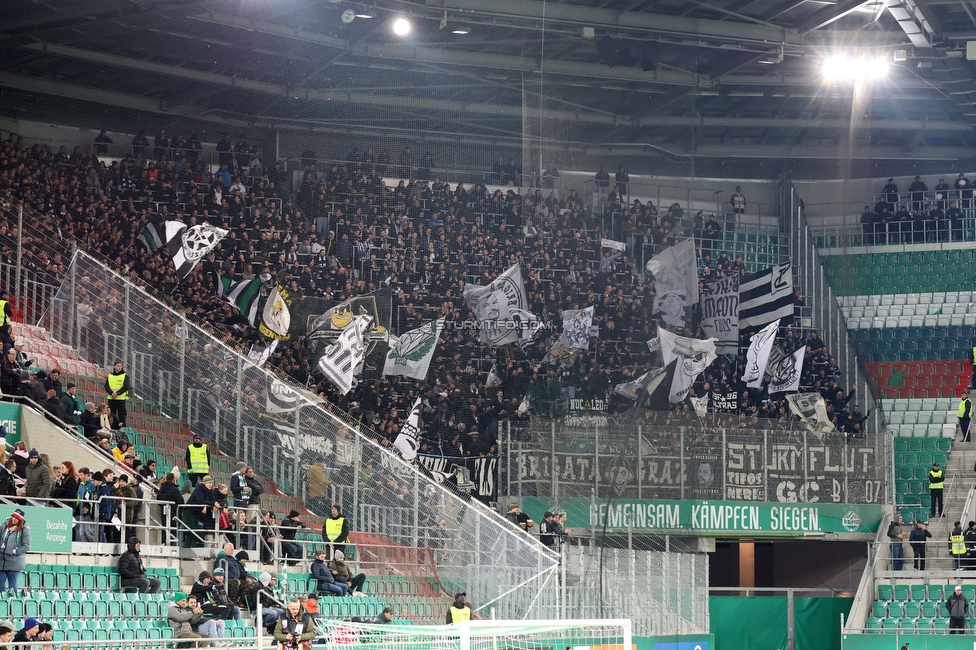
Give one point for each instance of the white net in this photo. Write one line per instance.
(482, 635)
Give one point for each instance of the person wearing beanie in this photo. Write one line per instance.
(15, 542)
(335, 530)
(289, 528)
(117, 387)
(218, 588)
(133, 572)
(325, 581)
(39, 479)
(261, 591)
(185, 614)
(205, 593)
(29, 632)
(343, 573)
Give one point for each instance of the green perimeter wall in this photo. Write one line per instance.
(914, 641)
(760, 622)
(676, 642)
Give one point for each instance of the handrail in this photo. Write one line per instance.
(867, 584)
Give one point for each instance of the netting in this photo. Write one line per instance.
(192, 376)
(483, 635)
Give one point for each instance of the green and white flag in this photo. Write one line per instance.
(193, 245)
(410, 354)
(155, 236)
(243, 295)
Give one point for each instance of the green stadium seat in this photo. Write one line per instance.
(891, 625)
(923, 625)
(940, 626)
(911, 610)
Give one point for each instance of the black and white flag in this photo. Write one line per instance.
(342, 361)
(812, 410)
(675, 281)
(786, 373)
(276, 317)
(576, 328)
(155, 236)
(281, 398)
(261, 352)
(761, 344)
(766, 296)
(407, 441)
(499, 307)
(193, 245)
(692, 356)
(720, 313)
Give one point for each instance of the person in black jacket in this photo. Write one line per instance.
(132, 571)
(208, 598)
(170, 492)
(90, 423)
(200, 517)
(916, 539)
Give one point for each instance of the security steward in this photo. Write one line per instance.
(6, 311)
(117, 385)
(936, 483)
(197, 459)
(965, 414)
(335, 530)
(957, 545)
(460, 610)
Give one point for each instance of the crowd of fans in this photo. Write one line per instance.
(346, 233)
(918, 215)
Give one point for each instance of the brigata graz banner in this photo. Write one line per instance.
(710, 518)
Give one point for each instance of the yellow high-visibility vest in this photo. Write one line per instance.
(333, 527)
(936, 480)
(4, 319)
(965, 408)
(958, 545)
(460, 614)
(115, 383)
(198, 460)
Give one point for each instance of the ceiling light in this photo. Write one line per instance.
(460, 30)
(401, 26)
(365, 13)
(854, 67)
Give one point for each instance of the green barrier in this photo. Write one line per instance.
(758, 519)
(817, 622)
(912, 640)
(675, 642)
(10, 419)
(748, 623)
(50, 527)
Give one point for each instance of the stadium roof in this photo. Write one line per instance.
(713, 79)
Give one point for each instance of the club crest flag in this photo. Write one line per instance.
(193, 245)
(407, 441)
(812, 410)
(155, 236)
(786, 373)
(342, 361)
(675, 280)
(410, 355)
(761, 344)
(576, 328)
(498, 307)
(701, 406)
(276, 317)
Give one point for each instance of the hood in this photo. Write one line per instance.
(131, 544)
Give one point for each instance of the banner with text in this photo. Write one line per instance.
(50, 527)
(10, 419)
(710, 518)
(720, 314)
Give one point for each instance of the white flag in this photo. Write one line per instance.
(631, 389)
(276, 318)
(701, 405)
(761, 344)
(786, 373)
(192, 245)
(406, 441)
(675, 280)
(498, 307)
(576, 328)
(654, 344)
(812, 410)
(410, 355)
(692, 355)
(259, 352)
(281, 398)
(343, 361)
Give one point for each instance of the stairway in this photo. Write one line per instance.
(959, 472)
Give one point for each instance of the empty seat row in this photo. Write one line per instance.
(925, 444)
(920, 592)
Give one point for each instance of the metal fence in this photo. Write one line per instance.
(678, 456)
(195, 377)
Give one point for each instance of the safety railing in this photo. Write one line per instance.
(898, 235)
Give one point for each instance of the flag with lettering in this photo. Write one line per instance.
(342, 361)
(720, 313)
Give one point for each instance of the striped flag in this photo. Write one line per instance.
(342, 362)
(766, 296)
(243, 295)
(155, 236)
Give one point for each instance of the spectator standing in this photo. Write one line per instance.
(139, 144)
(918, 190)
(894, 537)
(545, 534)
(965, 415)
(957, 544)
(132, 571)
(519, 518)
(343, 574)
(199, 513)
(602, 181)
(169, 492)
(936, 485)
(965, 191)
(15, 542)
(890, 191)
(85, 508)
(459, 611)
(197, 459)
(958, 608)
(335, 530)
(102, 140)
(318, 484)
(71, 405)
(90, 422)
(942, 193)
(39, 479)
(917, 539)
(738, 201)
(295, 629)
(622, 178)
(66, 486)
(117, 386)
(867, 226)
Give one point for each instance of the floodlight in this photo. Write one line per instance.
(460, 30)
(401, 26)
(854, 68)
